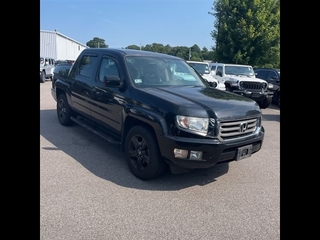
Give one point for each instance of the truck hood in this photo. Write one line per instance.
(243, 78)
(202, 102)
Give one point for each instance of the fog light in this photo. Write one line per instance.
(180, 153)
(195, 155)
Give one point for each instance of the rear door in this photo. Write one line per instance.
(82, 74)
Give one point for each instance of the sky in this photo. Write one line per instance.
(131, 22)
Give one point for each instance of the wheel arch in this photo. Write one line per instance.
(153, 122)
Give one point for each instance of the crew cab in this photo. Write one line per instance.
(158, 118)
(241, 79)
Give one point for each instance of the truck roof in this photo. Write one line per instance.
(129, 52)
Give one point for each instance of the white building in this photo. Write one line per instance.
(58, 46)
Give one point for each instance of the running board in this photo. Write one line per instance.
(91, 128)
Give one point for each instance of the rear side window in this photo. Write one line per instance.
(87, 65)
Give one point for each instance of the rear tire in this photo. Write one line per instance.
(143, 155)
(42, 77)
(64, 111)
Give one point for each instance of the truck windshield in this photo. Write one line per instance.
(154, 71)
(239, 70)
(202, 68)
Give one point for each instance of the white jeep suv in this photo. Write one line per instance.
(241, 79)
(47, 66)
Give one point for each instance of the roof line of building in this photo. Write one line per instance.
(62, 35)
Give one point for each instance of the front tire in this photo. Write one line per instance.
(143, 154)
(64, 111)
(228, 88)
(265, 103)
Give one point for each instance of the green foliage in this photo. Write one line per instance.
(97, 43)
(134, 47)
(247, 32)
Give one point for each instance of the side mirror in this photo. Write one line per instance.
(113, 81)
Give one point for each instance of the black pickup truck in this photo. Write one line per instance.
(158, 109)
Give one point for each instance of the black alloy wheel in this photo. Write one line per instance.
(63, 111)
(142, 154)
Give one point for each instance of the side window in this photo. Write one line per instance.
(87, 65)
(219, 71)
(108, 67)
(272, 75)
(262, 74)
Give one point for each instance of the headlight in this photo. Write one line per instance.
(193, 124)
(241, 85)
(265, 86)
(213, 84)
(270, 85)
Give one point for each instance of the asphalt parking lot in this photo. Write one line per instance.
(87, 191)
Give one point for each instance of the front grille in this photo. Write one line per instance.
(251, 85)
(235, 129)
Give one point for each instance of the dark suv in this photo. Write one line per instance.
(271, 75)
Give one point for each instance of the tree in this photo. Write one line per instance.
(97, 43)
(247, 32)
(134, 47)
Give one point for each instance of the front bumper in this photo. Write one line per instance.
(214, 151)
(53, 93)
(257, 96)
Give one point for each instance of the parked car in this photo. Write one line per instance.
(60, 62)
(46, 68)
(203, 69)
(241, 80)
(272, 76)
(158, 110)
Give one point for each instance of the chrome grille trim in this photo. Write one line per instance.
(235, 129)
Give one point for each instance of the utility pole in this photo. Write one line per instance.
(189, 53)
